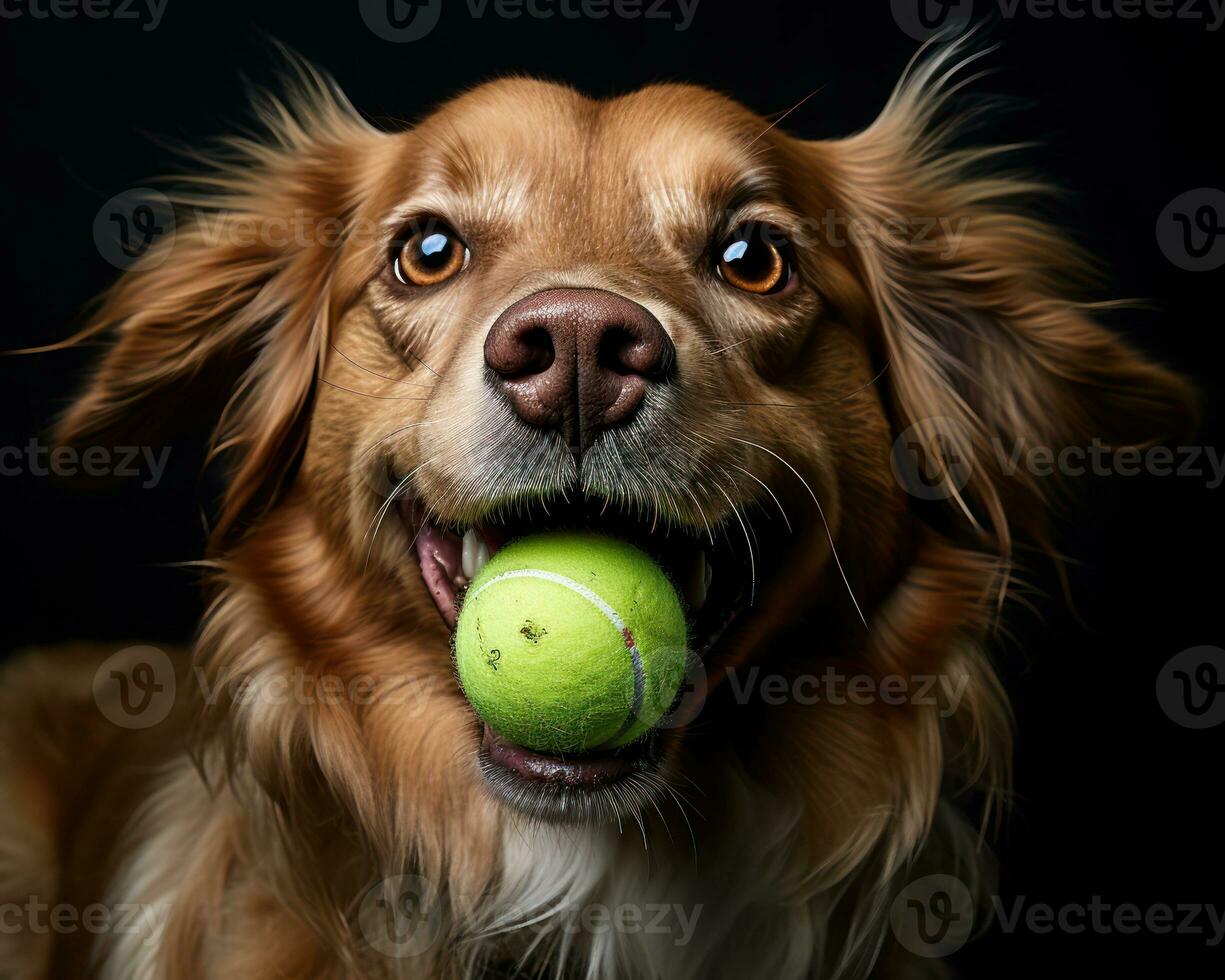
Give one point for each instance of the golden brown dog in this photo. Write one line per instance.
(656, 314)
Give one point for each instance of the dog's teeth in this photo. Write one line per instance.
(482, 555)
(699, 582)
(475, 553)
(472, 544)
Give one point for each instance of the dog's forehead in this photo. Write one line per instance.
(519, 140)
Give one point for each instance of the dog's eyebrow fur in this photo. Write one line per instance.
(720, 194)
(757, 186)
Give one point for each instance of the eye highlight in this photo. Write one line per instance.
(430, 256)
(754, 259)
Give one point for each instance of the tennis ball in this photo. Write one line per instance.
(571, 640)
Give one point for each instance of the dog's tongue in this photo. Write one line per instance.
(441, 557)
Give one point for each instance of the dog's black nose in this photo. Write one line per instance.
(578, 360)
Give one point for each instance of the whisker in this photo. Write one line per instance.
(730, 346)
(377, 521)
(702, 513)
(354, 391)
(821, 511)
(867, 384)
(749, 541)
(679, 799)
(783, 116)
(448, 312)
(397, 381)
(830, 401)
(416, 357)
(411, 425)
(753, 476)
(650, 798)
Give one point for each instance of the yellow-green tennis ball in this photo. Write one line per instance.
(569, 641)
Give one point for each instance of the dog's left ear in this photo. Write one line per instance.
(968, 301)
(228, 319)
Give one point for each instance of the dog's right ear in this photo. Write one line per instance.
(230, 315)
(971, 305)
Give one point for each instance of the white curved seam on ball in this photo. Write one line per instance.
(609, 613)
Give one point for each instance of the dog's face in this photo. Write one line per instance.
(606, 315)
(658, 316)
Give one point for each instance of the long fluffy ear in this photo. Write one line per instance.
(238, 302)
(972, 310)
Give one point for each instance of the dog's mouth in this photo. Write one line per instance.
(714, 577)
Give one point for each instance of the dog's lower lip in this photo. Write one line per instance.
(585, 772)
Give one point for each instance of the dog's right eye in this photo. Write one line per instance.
(430, 256)
(754, 259)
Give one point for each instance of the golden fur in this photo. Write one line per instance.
(260, 822)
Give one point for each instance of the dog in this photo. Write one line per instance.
(656, 315)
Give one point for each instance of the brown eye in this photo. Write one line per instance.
(430, 256)
(754, 259)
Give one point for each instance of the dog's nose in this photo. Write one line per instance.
(578, 360)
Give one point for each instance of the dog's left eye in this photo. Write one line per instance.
(754, 259)
(430, 256)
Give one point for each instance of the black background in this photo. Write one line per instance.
(1113, 798)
